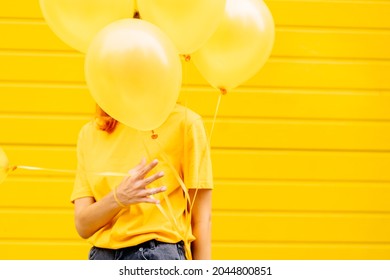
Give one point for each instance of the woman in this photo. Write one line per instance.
(162, 209)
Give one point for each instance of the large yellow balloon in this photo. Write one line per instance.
(189, 23)
(76, 22)
(134, 73)
(3, 166)
(240, 46)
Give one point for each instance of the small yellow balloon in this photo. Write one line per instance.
(239, 47)
(76, 22)
(189, 23)
(133, 72)
(4, 165)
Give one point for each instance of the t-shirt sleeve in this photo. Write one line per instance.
(81, 186)
(197, 160)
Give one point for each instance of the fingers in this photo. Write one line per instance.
(135, 185)
(151, 200)
(156, 190)
(137, 175)
(147, 168)
(153, 178)
(142, 168)
(150, 192)
(142, 162)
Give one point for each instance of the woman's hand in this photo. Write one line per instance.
(133, 189)
(91, 215)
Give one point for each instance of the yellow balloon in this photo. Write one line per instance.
(189, 23)
(76, 22)
(240, 46)
(133, 72)
(3, 166)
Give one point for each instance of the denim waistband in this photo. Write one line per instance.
(151, 244)
(138, 251)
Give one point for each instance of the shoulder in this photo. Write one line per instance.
(88, 131)
(87, 128)
(181, 119)
(185, 115)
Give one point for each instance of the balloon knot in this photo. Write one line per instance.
(223, 91)
(187, 57)
(154, 135)
(136, 15)
(11, 168)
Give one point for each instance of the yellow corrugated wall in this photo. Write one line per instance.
(301, 152)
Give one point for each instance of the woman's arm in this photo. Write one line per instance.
(201, 224)
(90, 215)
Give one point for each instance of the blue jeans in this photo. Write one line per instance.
(149, 250)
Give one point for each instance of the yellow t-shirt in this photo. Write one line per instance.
(181, 149)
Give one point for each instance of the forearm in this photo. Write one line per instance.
(201, 223)
(92, 216)
(201, 247)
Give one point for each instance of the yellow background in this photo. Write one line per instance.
(301, 152)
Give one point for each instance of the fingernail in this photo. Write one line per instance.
(163, 188)
(157, 201)
(161, 173)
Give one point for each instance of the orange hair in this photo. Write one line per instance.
(104, 121)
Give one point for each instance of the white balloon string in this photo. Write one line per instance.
(215, 117)
(170, 217)
(186, 196)
(188, 212)
(174, 171)
(164, 213)
(69, 171)
(223, 92)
